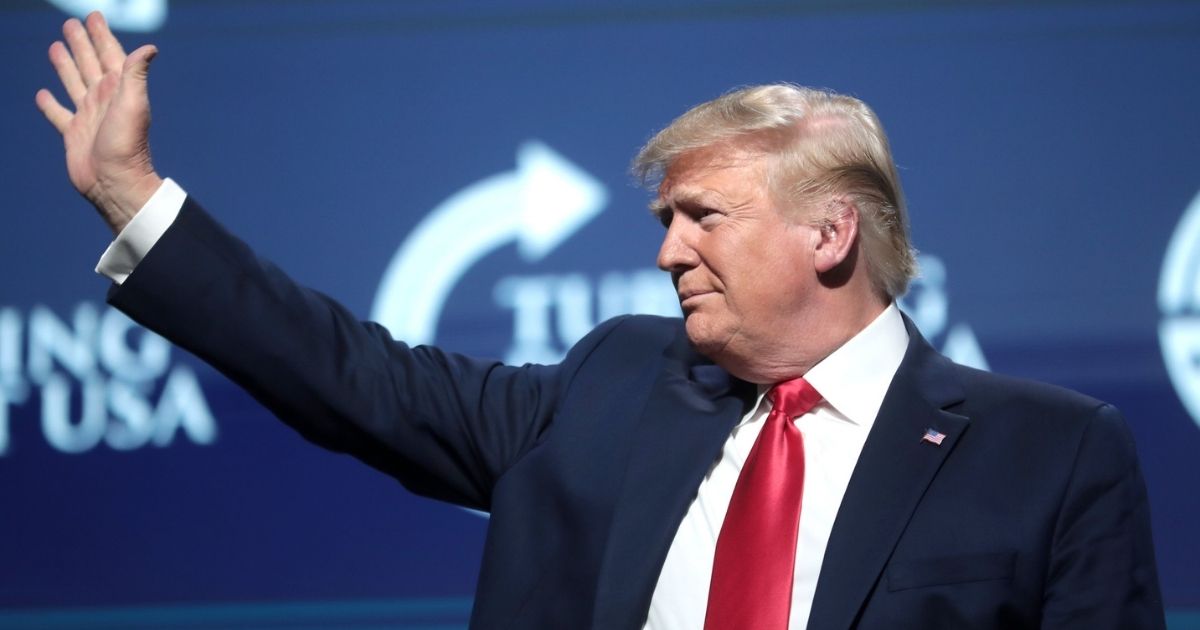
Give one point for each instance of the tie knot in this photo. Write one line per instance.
(794, 398)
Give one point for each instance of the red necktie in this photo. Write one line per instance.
(756, 552)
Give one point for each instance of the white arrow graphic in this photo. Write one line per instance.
(539, 205)
(140, 16)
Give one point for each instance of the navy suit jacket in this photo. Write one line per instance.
(1031, 513)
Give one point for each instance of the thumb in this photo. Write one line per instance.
(136, 69)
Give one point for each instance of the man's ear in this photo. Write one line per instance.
(837, 235)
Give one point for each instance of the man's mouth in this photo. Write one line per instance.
(686, 296)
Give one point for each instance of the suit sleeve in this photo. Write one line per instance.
(445, 425)
(1102, 569)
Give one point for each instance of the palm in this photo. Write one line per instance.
(107, 131)
(107, 151)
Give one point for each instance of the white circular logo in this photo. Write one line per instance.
(1179, 302)
(538, 205)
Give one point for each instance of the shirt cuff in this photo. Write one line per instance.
(142, 232)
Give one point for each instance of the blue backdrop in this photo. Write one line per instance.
(1047, 150)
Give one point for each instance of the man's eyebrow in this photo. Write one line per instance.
(698, 197)
(686, 198)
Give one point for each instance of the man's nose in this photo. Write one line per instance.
(676, 253)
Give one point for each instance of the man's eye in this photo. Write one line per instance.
(665, 219)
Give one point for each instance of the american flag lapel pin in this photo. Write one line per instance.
(933, 436)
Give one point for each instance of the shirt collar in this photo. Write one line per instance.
(854, 378)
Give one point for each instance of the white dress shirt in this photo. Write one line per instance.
(142, 232)
(852, 380)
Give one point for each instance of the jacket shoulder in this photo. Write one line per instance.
(637, 333)
(992, 389)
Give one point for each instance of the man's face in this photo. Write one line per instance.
(744, 273)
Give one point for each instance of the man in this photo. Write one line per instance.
(791, 454)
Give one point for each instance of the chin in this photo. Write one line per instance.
(722, 346)
(708, 342)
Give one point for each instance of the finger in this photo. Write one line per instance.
(108, 48)
(58, 115)
(82, 51)
(61, 59)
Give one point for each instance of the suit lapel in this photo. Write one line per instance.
(891, 476)
(689, 413)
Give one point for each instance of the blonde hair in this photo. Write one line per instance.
(822, 145)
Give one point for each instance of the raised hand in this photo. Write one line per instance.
(107, 136)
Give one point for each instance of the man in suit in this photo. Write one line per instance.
(791, 454)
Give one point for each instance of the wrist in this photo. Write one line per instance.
(119, 203)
